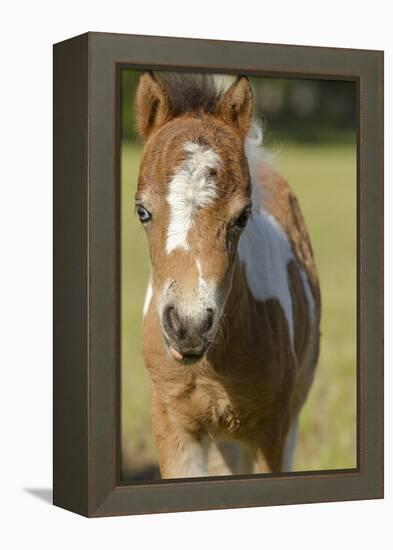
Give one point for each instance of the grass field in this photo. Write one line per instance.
(324, 179)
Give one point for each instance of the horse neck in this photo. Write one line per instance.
(237, 308)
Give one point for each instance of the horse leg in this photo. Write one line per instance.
(229, 458)
(180, 453)
(269, 447)
(290, 443)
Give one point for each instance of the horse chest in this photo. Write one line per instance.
(210, 406)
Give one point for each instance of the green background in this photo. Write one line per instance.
(310, 129)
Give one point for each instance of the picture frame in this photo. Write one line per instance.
(86, 374)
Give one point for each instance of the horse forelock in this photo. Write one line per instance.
(191, 93)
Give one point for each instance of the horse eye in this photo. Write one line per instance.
(243, 219)
(143, 214)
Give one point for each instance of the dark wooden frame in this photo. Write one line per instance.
(86, 274)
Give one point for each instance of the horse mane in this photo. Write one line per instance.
(191, 92)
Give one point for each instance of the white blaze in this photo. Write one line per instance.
(207, 290)
(190, 188)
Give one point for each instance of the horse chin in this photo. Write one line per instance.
(189, 358)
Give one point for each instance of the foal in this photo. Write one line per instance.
(231, 317)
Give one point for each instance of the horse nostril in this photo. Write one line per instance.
(208, 320)
(173, 319)
(172, 322)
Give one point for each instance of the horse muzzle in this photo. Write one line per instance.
(187, 336)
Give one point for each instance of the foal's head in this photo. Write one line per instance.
(193, 199)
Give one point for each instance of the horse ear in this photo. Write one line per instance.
(152, 104)
(237, 105)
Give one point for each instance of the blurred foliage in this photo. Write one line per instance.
(323, 175)
(299, 110)
(307, 111)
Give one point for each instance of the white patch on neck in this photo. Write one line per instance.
(190, 188)
(265, 251)
(264, 247)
